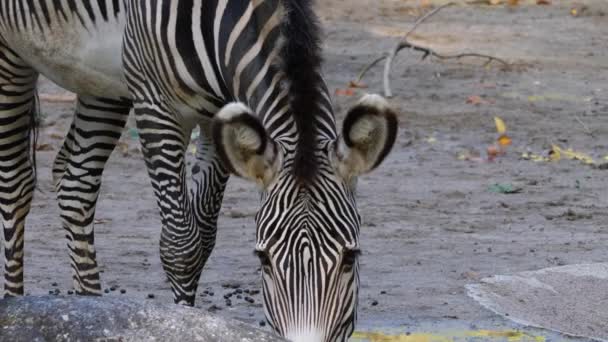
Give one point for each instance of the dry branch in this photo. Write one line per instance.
(405, 43)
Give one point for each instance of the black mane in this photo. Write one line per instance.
(301, 62)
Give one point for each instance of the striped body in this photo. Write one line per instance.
(248, 74)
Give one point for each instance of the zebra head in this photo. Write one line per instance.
(308, 232)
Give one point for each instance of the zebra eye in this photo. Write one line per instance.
(349, 258)
(264, 259)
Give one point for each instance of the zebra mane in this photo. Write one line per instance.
(301, 61)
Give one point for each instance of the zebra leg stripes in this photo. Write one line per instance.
(17, 176)
(77, 171)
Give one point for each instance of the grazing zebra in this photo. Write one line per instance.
(248, 74)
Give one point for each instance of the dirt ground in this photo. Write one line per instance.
(432, 221)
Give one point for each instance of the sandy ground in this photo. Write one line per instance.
(432, 224)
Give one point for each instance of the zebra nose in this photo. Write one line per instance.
(305, 336)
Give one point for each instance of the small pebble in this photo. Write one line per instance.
(374, 303)
(239, 297)
(254, 292)
(246, 291)
(262, 323)
(239, 291)
(70, 292)
(250, 300)
(382, 292)
(112, 288)
(228, 302)
(210, 294)
(51, 292)
(150, 295)
(106, 291)
(54, 284)
(123, 291)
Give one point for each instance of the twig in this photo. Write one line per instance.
(433, 53)
(368, 67)
(404, 43)
(585, 127)
(407, 34)
(424, 18)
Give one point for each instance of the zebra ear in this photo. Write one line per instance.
(368, 134)
(243, 144)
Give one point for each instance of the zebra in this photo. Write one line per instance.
(248, 74)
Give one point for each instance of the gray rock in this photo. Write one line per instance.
(53, 318)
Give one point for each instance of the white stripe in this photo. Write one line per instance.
(199, 44)
(236, 32)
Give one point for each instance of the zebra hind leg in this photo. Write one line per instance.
(77, 171)
(209, 178)
(17, 174)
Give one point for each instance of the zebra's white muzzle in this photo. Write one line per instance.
(305, 336)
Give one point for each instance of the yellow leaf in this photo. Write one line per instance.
(495, 2)
(558, 153)
(571, 154)
(574, 12)
(504, 140)
(500, 125)
(606, 158)
(555, 154)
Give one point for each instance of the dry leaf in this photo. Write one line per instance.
(513, 2)
(504, 140)
(543, 2)
(495, 2)
(353, 84)
(574, 155)
(123, 147)
(56, 136)
(555, 153)
(533, 157)
(476, 100)
(493, 152)
(345, 92)
(101, 221)
(501, 128)
(44, 147)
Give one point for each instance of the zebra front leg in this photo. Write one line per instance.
(185, 242)
(95, 131)
(17, 175)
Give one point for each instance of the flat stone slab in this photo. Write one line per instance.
(76, 318)
(572, 299)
